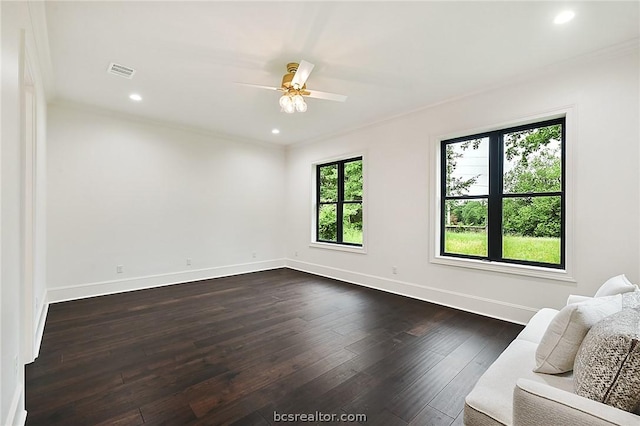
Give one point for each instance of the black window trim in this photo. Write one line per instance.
(496, 195)
(339, 203)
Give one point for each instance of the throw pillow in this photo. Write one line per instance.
(575, 298)
(631, 299)
(557, 350)
(615, 285)
(607, 367)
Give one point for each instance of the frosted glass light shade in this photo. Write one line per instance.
(297, 100)
(301, 106)
(285, 100)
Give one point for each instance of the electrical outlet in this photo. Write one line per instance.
(188, 261)
(253, 254)
(394, 270)
(295, 254)
(120, 269)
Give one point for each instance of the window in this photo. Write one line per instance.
(339, 202)
(503, 195)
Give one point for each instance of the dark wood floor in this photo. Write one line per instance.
(235, 350)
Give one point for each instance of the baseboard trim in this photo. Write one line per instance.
(17, 415)
(42, 320)
(83, 291)
(505, 311)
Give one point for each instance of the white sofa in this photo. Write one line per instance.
(510, 393)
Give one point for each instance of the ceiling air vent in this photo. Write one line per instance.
(121, 70)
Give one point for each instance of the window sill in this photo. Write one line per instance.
(507, 268)
(338, 247)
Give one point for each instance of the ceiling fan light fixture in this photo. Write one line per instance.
(285, 100)
(297, 100)
(302, 107)
(294, 88)
(292, 101)
(290, 108)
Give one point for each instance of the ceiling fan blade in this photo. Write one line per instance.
(302, 74)
(258, 86)
(324, 95)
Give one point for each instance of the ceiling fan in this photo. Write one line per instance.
(294, 88)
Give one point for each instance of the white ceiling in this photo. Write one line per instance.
(387, 57)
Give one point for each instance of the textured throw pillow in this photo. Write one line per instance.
(607, 367)
(615, 285)
(557, 350)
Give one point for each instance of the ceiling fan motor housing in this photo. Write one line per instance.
(292, 67)
(286, 80)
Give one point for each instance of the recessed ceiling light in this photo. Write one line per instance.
(564, 17)
(275, 131)
(135, 97)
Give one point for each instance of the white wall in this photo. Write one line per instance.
(18, 43)
(148, 196)
(603, 95)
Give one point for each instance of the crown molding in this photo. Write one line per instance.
(63, 103)
(620, 49)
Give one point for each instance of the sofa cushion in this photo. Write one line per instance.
(557, 350)
(615, 285)
(493, 394)
(607, 367)
(536, 404)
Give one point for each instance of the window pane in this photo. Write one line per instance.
(327, 223)
(352, 223)
(353, 181)
(533, 160)
(531, 229)
(467, 167)
(329, 183)
(466, 227)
